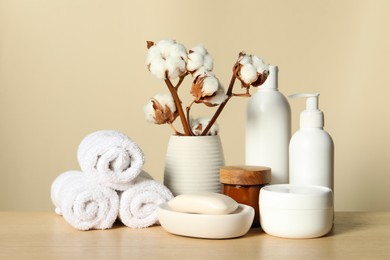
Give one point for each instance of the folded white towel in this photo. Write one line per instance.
(111, 158)
(83, 203)
(138, 204)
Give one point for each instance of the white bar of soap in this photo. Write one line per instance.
(203, 203)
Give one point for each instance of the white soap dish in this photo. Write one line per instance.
(222, 226)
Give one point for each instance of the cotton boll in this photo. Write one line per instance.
(199, 49)
(201, 70)
(214, 130)
(158, 68)
(210, 85)
(199, 124)
(195, 61)
(248, 73)
(164, 47)
(245, 59)
(149, 113)
(208, 62)
(260, 65)
(194, 123)
(204, 85)
(161, 109)
(218, 98)
(153, 53)
(196, 126)
(166, 100)
(178, 50)
(175, 66)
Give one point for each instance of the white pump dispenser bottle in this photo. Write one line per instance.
(311, 147)
(268, 129)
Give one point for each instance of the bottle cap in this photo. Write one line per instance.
(311, 116)
(272, 80)
(245, 175)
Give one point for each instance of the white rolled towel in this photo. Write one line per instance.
(83, 203)
(138, 204)
(111, 157)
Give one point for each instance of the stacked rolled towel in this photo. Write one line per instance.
(137, 206)
(111, 158)
(83, 203)
(111, 184)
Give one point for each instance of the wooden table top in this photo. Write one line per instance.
(44, 235)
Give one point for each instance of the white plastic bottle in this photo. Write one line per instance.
(311, 147)
(268, 129)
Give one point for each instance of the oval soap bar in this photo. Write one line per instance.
(203, 203)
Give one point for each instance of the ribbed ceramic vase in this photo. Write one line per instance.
(192, 164)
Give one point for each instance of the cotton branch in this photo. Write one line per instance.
(229, 94)
(173, 91)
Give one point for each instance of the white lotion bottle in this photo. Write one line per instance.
(268, 129)
(311, 147)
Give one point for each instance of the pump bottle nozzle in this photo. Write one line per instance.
(311, 116)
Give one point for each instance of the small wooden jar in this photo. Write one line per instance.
(243, 184)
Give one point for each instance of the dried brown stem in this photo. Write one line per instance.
(179, 107)
(181, 79)
(229, 94)
(149, 44)
(174, 129)
(242, 95)
(188, 116)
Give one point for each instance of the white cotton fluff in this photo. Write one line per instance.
(199, 59)
(200, 71)
(164, 100)
(203, 122)
(158, 67)
(167, 56)
(149, 112)
(218, 98)
(175, 66)
(200, 49)
(208, 62)
(178, 50)
(248, 73)
(260, 65)
(245, 59)
(164, 46)
(195, 61)
(153, 53)
(210, 85)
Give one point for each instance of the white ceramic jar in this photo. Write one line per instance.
(192, 164)
(296, 211)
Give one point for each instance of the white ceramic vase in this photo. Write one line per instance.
(192, 164)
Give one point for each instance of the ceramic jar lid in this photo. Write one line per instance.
(245, 175)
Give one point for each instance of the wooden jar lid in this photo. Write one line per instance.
(245, 175)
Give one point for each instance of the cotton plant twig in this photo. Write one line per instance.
(175, 130)
(188, 108)
(169, 60)
(229, 94)
(181, 79)
(173, 91)
(178, 103)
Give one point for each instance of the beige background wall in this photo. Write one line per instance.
(68, 68)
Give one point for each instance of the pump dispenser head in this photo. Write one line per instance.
(311, 116)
